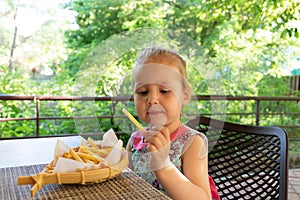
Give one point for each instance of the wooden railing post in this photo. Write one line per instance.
(37, 107)
(257, 113)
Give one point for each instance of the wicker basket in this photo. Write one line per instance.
(81, 177)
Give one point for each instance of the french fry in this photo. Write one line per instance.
(49, 167)
(133, 119)
(82, 149)
(82, 144)
(90, 161)
(99, 158)
(104, 152)
(86, 156)
(92, 143)
(74, 154)
(100, 152)
(76, 148)
(67, 155)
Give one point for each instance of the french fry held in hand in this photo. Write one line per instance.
(133, 119)
(89, 154)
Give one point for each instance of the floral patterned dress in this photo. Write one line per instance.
(140, 155)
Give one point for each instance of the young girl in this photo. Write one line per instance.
(169, 155)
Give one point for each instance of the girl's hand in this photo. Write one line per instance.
(159, 147)
(157, 139)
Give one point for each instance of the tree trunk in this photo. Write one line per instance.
(14, 41)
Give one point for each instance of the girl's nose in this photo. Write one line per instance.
(153, 98)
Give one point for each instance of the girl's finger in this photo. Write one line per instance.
(166, 133)
(151, 148)
(158, 140)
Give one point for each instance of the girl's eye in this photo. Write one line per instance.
(164, 91)
(142, 92)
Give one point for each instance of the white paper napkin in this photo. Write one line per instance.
(109, 139)
(115, 155)
(62, 164)
(70, 165)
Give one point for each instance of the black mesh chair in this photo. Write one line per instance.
(246, 162)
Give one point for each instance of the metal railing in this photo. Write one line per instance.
(37, 99)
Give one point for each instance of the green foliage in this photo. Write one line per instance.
(246, 42)
(242, 37)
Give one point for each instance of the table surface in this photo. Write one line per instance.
(31, 151)
(24, 157)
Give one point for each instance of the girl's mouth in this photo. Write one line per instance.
(155, 112)
(157, 115)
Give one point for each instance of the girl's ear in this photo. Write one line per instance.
(186, 96)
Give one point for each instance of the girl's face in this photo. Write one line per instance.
(159, 95)
(158, 103)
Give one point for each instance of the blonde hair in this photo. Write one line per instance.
(158, 54)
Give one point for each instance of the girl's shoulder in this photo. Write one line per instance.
(189, 132)
(185, 140)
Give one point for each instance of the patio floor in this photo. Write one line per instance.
(294, 184)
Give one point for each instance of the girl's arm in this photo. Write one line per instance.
(194, 183)
(194, 167)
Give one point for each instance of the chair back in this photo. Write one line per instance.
(246, 162)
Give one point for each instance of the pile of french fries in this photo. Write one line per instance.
(87, 153)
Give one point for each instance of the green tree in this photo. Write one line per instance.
(245, 39)
(246, 42)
